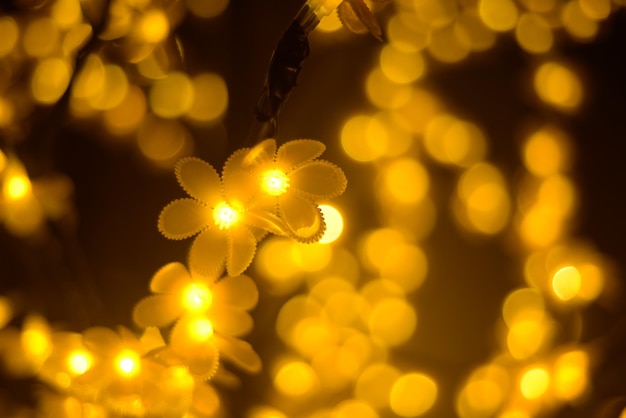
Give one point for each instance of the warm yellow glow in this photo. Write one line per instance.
(546, 152)
(197, 297)
(330, 23)
(577, 23)
(265, 412)
(406, 181)
(364, 138)
(596, 9)
(384, 93)
(16, 187)
(163, 140)
(355, 409)
(128, 114)
(207, 9)
(526, 337)
(392, 322)
(173, 96)
(79, 361)
(452, 141)
(66, 13)
(566, 283)
(6, 311)
(481, 397)
(210, 98)
(525, 304)
(558, 85)
(412, 395)
(448, 44)
(153, 26)
(533, 33)
(274, 182)
(374, 384)
(498, 15)
(310, 257)
(478, 36)
(10, 34)
(41, 37)
(401, 67)
(571, 375)
(334, 224)
(295, 378)
(592, 281)
(224, 215)
(127, 363)
(50, 80)
(110, 89)
(534, 382)
(200, 329)
(406, 265)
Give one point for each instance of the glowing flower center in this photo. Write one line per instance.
(79, 362)
(275, 182)
(128, 363)
(200, 329)
(16, 187)
(197, 297)
(224, 215)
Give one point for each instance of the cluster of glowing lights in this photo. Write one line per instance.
(224, 215)
(200, 329)
(127, 363)
(79, 361)
(197, 298)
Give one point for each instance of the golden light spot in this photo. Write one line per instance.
(10, 34)
(452, 141)
(153, 26)
(173, 96)
(524, 304)
(541, 226)
(41, 37)
(265, 412)
(401, 67)
(498, 15)
(546, 152)
(207, 9)
(577, 23)
(406, 265)
(210, 98)
(592, 281)
(295, 378)
(412, 395)
(334, 224)
(534, 34)
(558, 85)
(127, 363)
(35, 338)
(16, 187)
(75, 37)
(6, 311)
(571, 375)
(364, 138)
(224, 215)
(109, 92)
(437, 13)
(355, 409)
(197, 297)
(163, 140)
(283, 275)
(384, 93)
(310, 257)
(406, 36)
(447, 44)
(406, 181)
(128, 114)
(392, 322)
(66, 13)
(79, 361)
(596, 9)
(200, 329)
(472, 29)
(480, 397)
(50, 79)
(526, 337)
(274, 182)
(566, 283)
(374, 384)
(539, 6)
(534, 382)
(376, 244)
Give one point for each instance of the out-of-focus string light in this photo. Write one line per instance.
(558, 86)
(10, 35)
(295, 378)
(534, 382)
(334, 224)
(413, 394)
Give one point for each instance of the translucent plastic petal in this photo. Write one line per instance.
(241, 249)
(303, 218)
(262, 153)
(319, 180)
(239, 291)
(267, 221)
(241, 186)
(169, 278)
(293, 153)
(239, 352)
(230, 320)
(208, 252)
(205, 399)
(101, 340)
(183, 218)
(157, 311)
(199, 179)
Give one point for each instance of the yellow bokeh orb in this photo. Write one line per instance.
(412, 395)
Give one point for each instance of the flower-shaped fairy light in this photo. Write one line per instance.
(292, 181)
(227, 228)
(209, 316)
